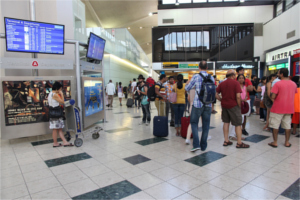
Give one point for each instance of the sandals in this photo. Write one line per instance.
(288, 145)
(243, 145)
(59, 145)
(69, 145)
(227, 143)
(272, 145)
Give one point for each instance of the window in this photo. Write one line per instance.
(279, 9)
(169, 1)
(199, 1)
(185, 1)
(173, 42)
(215, 0)
(289, 4)
(206, 40)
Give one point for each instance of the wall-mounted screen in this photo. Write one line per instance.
(34, 37)
(93, 96)
(95, 47)
(26, 101)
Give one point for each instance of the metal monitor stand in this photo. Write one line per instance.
(35, 72)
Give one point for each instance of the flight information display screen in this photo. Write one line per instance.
(34, 37)
(95, 47)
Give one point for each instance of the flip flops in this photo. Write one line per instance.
(69, 145)
(59, 145)
(288, 145)
(272, 145)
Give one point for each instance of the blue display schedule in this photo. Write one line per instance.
(93, 97)
(95, 47)
(34, 37)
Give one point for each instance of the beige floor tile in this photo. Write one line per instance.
(270, 184)
(130, 172)
(184, 166)
(86, 163)
(254, 192)
(203, 174)
(107, 179)
(10, 172)
(185, 182)
(150, 166)
(281, 176)
(14, 192)
(226, 183)
(139, 196)
(164, 191)
(62, 169)
(42, 184)
(145, 181)
(80, 187)
(12, 181)
(54, 193)
(234, 197)
(240, 174)
(117, 164)
(71, 177)
(33, 167)
(95, 170)
(186, 196)
(166, 173)
(207, 191)
(37, 175)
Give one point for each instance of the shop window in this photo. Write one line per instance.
(279, 8)
(289, 4)
(168, 1)
(206, 40)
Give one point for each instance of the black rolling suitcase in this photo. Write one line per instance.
(129, 103)
(160, 126)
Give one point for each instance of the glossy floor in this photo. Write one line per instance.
(128, 162)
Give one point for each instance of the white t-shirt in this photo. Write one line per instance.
(110, 89)
(133, 85)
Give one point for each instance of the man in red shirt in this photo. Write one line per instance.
(282, 95)
(231, 107)
(249, 86)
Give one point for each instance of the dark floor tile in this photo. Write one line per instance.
(205, 158)
(200, 128)
(292, 192)
(121, 190)
(256, 138)
(96, 194)
(118, 130)
(151, 141)
(67, 159)
(137, 117)
(136, 159)
(44, 142)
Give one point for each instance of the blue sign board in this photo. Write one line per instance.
(93, 97)
(34, 37)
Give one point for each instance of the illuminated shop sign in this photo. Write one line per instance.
(278, 66)
(235, 65)
(272, 67)
(283, 53)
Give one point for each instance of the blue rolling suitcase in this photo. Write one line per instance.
(160, 126)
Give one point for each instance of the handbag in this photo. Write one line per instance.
(256, 102)
(173, 97)
(262, 105)
(244, 108)
(56, 112)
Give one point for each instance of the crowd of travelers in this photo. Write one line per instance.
(275, 99)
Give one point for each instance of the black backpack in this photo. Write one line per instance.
(207, 93)
(124, 89)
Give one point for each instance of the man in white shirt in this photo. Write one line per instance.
(133, 88)
(110, 91)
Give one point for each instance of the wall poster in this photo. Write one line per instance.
(26, 102)
(93, 96)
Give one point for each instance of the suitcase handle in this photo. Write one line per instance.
(159, 108)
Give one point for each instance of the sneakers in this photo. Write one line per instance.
(209, 137)
(262, 120)
(245, 132)
(195, 149)
(187, 141)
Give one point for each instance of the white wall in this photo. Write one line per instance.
(275, 31)
(219, 15)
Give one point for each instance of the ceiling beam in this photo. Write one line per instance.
(93, 13)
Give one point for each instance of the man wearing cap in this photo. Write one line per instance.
(249, 86)
(231, 108)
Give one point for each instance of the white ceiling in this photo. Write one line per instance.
(124, 14)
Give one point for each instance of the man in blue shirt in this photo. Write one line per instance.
(199, 110)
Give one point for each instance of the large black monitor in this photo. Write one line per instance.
(34, 37)
(96, 46)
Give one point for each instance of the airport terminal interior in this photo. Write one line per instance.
(71, 65)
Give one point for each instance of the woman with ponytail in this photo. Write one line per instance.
(179, 104)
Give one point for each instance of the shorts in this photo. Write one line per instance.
(120, 95)
(276, 119)
(296, 118)
(233, 115)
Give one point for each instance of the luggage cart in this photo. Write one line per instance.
(73, 124)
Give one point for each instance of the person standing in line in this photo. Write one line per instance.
(169, 88)
(144, 102)
(129, 89)
(199, 109)
(231, 107)
(110, 91)
(161, 96)
(253, 93)
(133, 89)
(261, 88)
(55, 98)
(249, 86)
(120, 93)
(213, 111)
(179, 105)
(283, 93)
(296, 115)
(267, 99)
(191, 97)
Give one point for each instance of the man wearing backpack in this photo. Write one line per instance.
(201, 107)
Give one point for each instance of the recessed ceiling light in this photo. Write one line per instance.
(128, 27)
(150, 14)
(147, 43)
(141, 27)
(242, 1)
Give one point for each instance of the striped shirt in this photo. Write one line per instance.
(197, 81)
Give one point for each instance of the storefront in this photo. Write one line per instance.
(283, 58)
(296, 63)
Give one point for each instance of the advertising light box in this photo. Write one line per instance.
(34, 37)
(93, 96)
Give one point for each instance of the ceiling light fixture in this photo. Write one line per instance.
(128, 27)
(242, 1)
(150, 14)
(141, 27)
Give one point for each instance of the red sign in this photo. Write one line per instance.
(35, 64)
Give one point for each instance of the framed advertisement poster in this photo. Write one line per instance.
(26, 101)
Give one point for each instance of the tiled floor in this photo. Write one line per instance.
(128, 162)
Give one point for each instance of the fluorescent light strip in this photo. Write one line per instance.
(128, 63)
